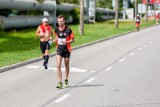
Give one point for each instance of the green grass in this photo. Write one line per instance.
(21, 45)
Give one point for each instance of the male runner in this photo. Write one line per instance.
(44, 31)
(64, 37)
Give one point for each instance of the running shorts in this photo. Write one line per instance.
(44, 46)
(62, 50)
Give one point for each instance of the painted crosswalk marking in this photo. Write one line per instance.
(33, 66)
(72, 69)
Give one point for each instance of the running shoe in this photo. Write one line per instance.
(60, 85)
(66, 83)
(45, 66)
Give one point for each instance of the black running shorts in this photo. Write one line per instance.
(62, 50)
(44, 46)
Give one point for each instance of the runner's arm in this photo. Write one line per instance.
(38, 32)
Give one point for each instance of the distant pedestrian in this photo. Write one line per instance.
(138, 20)
(44, 31)
(64, 38)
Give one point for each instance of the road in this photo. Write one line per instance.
(119, 72)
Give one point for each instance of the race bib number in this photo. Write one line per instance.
(61, 40)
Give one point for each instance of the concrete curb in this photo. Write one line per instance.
(7, 68)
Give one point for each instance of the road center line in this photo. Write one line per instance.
(121, 60)
(132, 53)
(139, 49)
(145, 45)
(90, 80)
(93, 71)
(62, 98)
(109, 68)
(33, 66)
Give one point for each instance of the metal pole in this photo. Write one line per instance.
(135, 8)
(154, 11)
(146, 11)
(124, 9)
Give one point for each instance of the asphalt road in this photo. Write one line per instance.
(119, 72)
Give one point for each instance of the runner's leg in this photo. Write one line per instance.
(66, 61)
(59, 72)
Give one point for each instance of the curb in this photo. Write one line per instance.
(7, 68)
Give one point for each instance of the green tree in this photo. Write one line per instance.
(107, 4)
(41, 1)
(104, 3)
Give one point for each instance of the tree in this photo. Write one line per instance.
(81, 27)
(104, 3)
(40, 1)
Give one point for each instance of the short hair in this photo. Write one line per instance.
(61, 16)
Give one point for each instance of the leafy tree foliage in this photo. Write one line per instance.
(41, 1)
(104, 3)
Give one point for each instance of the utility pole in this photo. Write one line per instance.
(154, 11)
(81, 27)
(146, 11)
(116, 12)
(124, 9)
(136, 8)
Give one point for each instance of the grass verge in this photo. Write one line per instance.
(22, 45)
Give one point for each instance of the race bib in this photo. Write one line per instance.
(61, 40)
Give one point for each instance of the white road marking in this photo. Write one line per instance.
(145, 45)
(139, 49)
(72, 69)
(132, 53)
(109, 68)
(150, 42)
(93, 71)
(62, 98)
(90, 80)
(33, 66)
(121, 60)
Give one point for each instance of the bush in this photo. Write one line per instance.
(75, 13)
(1, 28)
